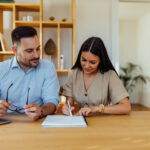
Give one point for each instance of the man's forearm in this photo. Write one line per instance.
(48, 109)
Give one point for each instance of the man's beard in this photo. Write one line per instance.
(30, 63)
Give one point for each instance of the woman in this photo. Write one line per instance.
(93, 83)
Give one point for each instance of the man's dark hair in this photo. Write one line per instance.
(21, 32)
(95, 46)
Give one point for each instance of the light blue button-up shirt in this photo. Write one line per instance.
(41, 80)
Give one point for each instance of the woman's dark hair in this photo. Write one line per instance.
(95, 46)
(21, 32)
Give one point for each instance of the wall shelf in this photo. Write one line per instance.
(28, 7)
(62, 71)
(6, 53)
(6, 6)
(18, 9)
(27, 23)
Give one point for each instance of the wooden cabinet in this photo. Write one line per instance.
(41, 24)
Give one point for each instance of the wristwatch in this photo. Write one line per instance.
(41, 114)
(102, 107)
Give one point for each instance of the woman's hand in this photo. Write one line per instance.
(85, 111)
(65, 109)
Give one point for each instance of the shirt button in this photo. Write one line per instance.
(85, 94)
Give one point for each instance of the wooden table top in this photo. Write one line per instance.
(104, 132)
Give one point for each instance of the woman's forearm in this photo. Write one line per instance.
(123, 107)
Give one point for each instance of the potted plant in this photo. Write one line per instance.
(131, 75)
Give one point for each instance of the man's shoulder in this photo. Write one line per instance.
(5, 64)
(45, 63)
(4, 67)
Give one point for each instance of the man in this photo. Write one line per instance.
(27, 84)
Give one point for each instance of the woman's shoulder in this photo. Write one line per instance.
(112, 72)
(109, 74)
(74, 72)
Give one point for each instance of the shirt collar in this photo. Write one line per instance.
(15, 63)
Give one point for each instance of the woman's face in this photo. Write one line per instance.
(89, 62)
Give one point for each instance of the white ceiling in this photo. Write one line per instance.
(133, 11)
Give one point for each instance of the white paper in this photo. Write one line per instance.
(64, 121)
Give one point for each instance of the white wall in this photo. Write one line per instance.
(127, 42)
(144, 55)
(128, 50)
(93, 18)
(114, 53)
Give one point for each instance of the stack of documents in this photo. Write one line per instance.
(64, 121)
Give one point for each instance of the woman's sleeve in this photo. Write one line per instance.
(117, 91)
(68, 88)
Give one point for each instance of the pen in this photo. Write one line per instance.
(69, 107)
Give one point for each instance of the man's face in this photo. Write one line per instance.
(28, 52)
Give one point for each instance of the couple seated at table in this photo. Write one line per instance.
(30, 85)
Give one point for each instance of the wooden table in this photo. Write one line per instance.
(104, 132)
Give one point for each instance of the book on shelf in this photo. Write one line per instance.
(2, 43)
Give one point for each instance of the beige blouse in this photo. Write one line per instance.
(105, 88)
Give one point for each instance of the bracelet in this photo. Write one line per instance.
(41, 114)
(102, 107)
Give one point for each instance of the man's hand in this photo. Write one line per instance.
(33, 111)
(3, 107)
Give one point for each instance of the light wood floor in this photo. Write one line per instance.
(137, 107)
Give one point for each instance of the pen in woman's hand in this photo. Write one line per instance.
(69, 107)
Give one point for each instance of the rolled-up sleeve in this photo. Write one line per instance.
(117, 91)
(68, 88)
(50, 89)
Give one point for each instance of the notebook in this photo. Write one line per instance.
(64, 121)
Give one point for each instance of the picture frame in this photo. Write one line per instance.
(3, 46)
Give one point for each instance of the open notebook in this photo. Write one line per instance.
(64, 121)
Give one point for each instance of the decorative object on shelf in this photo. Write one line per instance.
(64, 19)
(29, 18)
(131, 75)
(24, 18)
(50, 47)
(7, 1)
(2, 43)
(61, 62)
(52, 18)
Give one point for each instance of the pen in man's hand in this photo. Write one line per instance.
(69, 107)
